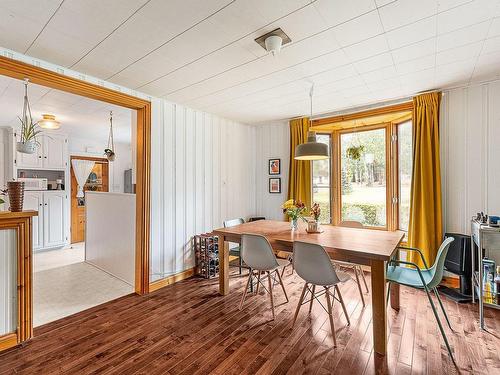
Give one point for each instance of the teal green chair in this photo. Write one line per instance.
(427, 279)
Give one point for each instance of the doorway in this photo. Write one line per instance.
(98, 180)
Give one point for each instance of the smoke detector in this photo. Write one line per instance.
(273, 41)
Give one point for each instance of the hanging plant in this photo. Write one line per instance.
(109, 152)
(29, 129)
(354, 152)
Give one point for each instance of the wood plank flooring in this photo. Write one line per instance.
(187, 328)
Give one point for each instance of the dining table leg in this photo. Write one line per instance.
(223, 266)
(379, 310)
(395, 296)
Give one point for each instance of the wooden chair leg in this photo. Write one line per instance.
(312, 298)
(359, 286)
(343, 305)
(270, 291)
(245, 291)
(299, 304)
(282, 285)
(240, 262)
(330, 316)
(258, 283)
(364, 278)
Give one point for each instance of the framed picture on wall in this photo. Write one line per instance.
(275, 185)
(274, 166)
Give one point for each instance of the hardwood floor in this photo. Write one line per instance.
(186, 328)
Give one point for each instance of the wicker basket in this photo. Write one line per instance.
(16, 195)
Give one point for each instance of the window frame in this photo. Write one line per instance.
(392, 172)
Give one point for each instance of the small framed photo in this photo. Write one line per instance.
(275, 185)
(274, 166)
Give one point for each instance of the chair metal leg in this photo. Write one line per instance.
(440, 325)
(241, 263)
(442, 308)
(245, 291)
(312, 298)
(299, 304)
(364, 278)
(388, 293)
(359, 286)
(270, 291)
(258, 283)
(283, 271)
(250, 273)
(330, 316)
(343, 305)
(282, 285)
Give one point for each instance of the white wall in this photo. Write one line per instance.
(273, 141)
(202, 172)
(470, 140)
(91, 147)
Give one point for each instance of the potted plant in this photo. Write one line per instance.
(294, 210)
(29, 129)
(354, 152)
(3, 192)
(313, 222)
(29, 132)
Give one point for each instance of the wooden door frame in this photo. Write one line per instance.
(101, 160)
(19, 70)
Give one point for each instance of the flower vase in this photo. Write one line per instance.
(294, 224)
(16, 195)
(313, 226)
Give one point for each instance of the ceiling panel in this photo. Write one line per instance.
(203, 53)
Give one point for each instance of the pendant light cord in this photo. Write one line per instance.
(111, 142)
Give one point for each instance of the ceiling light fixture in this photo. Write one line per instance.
(311, 150)
(49, 122)
(273, 41)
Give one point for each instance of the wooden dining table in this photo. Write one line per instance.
(366, 247)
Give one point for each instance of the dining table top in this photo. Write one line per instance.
(338, 241)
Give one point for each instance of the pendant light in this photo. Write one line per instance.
(311, 150)
(49, 122)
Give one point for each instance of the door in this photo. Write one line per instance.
(54, 151)
(28, 160)
(364, 191)
(54, 211)
(33, 201)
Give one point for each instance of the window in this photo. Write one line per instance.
(368, 178)
(405, 165)
(363, 177)
(321, 182)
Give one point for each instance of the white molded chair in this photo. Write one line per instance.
(358, 270)
(313, 264)
(257, 253)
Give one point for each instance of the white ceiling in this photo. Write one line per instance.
(203, 54)
(80, 117)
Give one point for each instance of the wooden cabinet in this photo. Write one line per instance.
(52, 153)
(49, 226)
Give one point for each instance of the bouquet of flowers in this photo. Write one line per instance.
(315, 211)
(294, 209)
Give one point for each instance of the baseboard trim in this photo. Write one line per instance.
(8, 341)
(155, 285)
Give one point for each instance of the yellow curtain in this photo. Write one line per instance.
(426, 227)
(299, 177)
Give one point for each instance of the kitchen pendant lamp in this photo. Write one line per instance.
(311, 150)
(49, 122)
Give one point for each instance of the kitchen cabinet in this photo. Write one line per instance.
(49, 226)
(52, 153)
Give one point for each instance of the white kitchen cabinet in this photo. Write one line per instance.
(54, 212)
(33, 200)
(50, 224)
(52, 153)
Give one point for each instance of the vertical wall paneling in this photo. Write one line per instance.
(470, 134)
(196, 185)
(8, 281)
